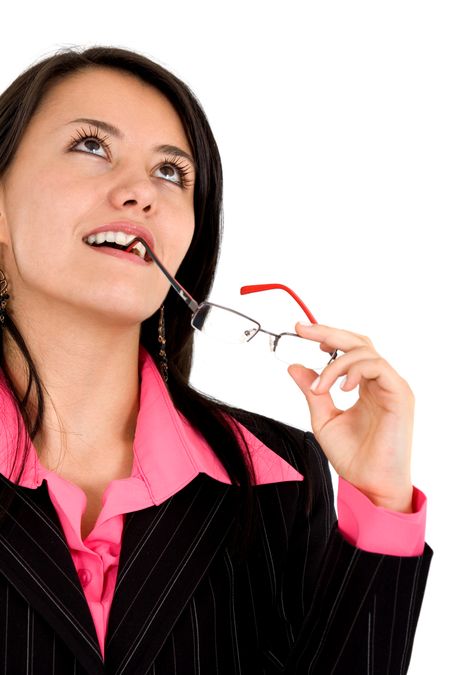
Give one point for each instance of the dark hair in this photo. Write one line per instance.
(210, 417)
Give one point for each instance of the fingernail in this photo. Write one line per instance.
(343, 383)
(315, 384)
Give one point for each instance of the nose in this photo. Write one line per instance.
(139, 192)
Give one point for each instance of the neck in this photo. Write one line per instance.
(91, 389)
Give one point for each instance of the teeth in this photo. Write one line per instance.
(120, 238)
(139, 249)
(116, 237)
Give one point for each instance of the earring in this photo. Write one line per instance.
(4, 297)
(162, 342)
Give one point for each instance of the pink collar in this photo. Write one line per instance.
(168, 451)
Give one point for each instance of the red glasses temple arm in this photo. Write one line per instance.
(269, 287)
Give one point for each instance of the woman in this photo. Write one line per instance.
(146, 528)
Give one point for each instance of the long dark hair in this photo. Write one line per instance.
(212, 418)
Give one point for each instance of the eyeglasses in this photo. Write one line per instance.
(228, 325)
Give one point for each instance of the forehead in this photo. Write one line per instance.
(112, 95)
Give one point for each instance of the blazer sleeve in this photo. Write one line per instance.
(351, 611)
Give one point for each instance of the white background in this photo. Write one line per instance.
(332, 119)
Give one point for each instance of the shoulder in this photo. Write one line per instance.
(287, 441)
(296, 446)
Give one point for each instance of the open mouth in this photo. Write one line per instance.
(114, 248)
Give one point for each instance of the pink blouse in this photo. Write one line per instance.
(169, 454)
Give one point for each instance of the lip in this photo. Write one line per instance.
(131, 257)
(128, 227)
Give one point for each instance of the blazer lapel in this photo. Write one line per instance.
(36, 560)
(166, 550)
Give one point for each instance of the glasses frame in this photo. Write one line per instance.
(195, 307)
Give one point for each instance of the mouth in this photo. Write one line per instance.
(137, 253)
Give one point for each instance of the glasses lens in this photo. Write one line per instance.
(223, 324)
(295, 349)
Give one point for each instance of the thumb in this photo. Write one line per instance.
(303, 377)
(321, 406)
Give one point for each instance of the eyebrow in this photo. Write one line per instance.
(115, 131)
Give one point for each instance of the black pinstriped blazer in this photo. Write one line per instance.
(305, 601)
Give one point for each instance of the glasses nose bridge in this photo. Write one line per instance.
(273, 338)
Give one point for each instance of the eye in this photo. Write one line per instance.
(92, 140)
(173, 168)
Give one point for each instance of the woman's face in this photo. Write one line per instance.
(62, 186)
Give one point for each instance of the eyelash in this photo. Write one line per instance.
(183, 169)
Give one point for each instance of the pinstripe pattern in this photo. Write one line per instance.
(304, 601)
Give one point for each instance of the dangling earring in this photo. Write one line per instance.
(162, 342)
(4, 297)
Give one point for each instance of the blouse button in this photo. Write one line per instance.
(85, 576)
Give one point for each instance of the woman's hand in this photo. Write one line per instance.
(370, 443)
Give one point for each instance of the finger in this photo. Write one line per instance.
(326, 348)
(341, 365)
(321, 407)
(377, 369)
(335, 338)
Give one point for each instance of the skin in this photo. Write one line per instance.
(80, 311)
(81, 318)
(369, 444)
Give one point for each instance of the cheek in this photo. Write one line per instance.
(33, 201)
(42, 213)
(178, 240)
(187, 239)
